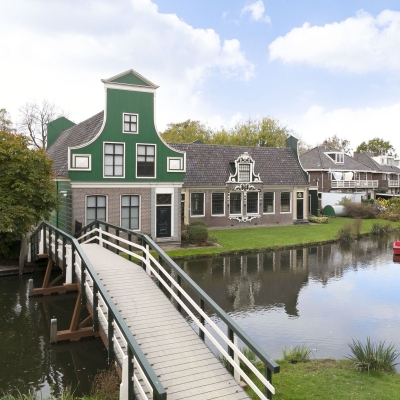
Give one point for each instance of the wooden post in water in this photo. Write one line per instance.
(53, 330)
(30, 287)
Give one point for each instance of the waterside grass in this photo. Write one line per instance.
(272, 238)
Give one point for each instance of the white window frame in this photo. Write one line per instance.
(96, 194)
(140, 208)
(258, 202)
(241, 203)
(181, 160)
(89, 157)
(273, 204)
(337, 154)
(104, 164)
(204, 205)
(250, 171)
(155, 161)
(137, 124)
(290, 203)
(223, 202)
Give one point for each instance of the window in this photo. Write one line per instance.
(244, 173)
(175, 164)
(235, 203)
(130, 212)
(269, 206)
(285, 202)
(340, 158)
(95, 208)
(81, 161)
(217, 204)
(252, 202)
(130, 123)
(197, 204)
(146, 160)
(113, 159)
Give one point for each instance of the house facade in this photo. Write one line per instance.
(115, 167)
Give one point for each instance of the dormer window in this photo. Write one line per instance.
(130, 123)
(244, 173)
(337, 157)
(243, 170)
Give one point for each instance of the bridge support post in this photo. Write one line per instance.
(41, 245)
(53, 330)
(68, 268)
(124, 386)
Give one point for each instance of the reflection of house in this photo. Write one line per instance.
(386, 171)
(237, 185)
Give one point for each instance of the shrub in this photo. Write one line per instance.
(378, 229)
(296, 354)
(383, 189)
(105, 385)
(318, 220)
(391, 217)
(345, 234)
(360, 210)
(198, 222)
(197, 233)
(357, 224)
(372, 356)
(345, 200)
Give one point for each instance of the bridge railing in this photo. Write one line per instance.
(156, 263)
(67, 253)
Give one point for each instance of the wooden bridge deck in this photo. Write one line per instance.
(184, 364)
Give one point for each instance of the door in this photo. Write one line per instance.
(300, 205)
(163, 221)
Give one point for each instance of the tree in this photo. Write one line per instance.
(5, 121)
(338, 143)
(186, 132)
(27, 193)
(34, 118)
(377, 146)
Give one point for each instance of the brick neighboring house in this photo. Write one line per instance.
(386, 172)
(243, 186)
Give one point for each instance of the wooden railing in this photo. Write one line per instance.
(354, 184)
(394, 183)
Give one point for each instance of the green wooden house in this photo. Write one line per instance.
(114, 166)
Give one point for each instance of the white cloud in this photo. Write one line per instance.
(356, 125)
(256, 11)
(60, 51)
(359, 44)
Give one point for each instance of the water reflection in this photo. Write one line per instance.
(321, 296)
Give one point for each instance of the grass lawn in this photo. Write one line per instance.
(333, 380)
(268, 238)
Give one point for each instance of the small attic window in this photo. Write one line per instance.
(338, 158)
(130, 123)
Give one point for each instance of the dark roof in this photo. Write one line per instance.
(367, 159)
(75, 136)
(315, 159)
(208, 165)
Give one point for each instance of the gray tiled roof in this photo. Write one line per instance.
(315, 159)
(74, 136)
(208, 165)
(367, 159)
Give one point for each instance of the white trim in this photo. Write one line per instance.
(140, 209)
(182, 160)
(127, 185)
(258, 202)
(137, 124)
(74, 155)
(133, 72)
(94, 194)
(61, 180)
(224, 206)
(129, 87)
(290, 203)
(273, 204)
(165, 190)
(155, 161)
(123, 167)
(204, 205)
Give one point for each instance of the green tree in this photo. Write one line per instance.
(5, 121)
(27, 194)
(338, 143)
(186, 132)
(378, 146)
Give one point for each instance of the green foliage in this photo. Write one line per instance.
(105, 385)
(379, 229)
(377, 146)
(318, 220)
(27, 193)
(186, 132)
(338, 143)
(357, 225)
(360, 210)
(197, 233)
(345, 234)
(296, 354)
(198, 222)
(383, 189)
(372, 356)
(5, 121)
(251, 356)
(344, 201)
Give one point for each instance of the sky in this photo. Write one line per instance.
(320, 67)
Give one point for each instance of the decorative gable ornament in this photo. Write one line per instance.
(244, 171)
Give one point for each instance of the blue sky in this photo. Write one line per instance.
(320, 67)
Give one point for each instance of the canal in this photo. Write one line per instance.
(318, 296)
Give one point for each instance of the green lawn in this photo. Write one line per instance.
(268, 238)
(333, 380)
